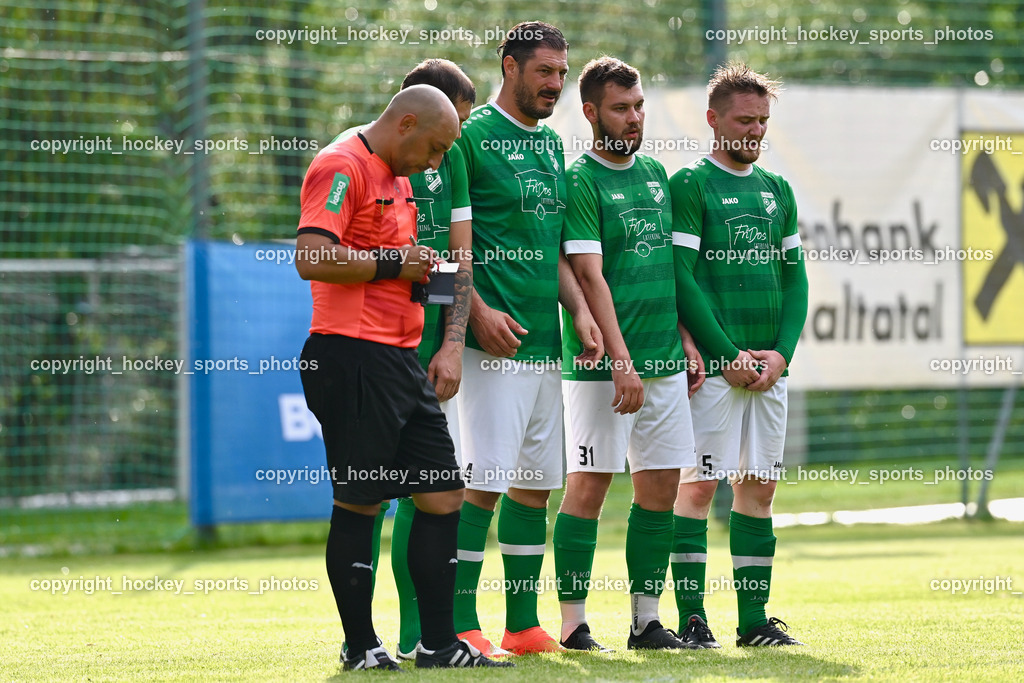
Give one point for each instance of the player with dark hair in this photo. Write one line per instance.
(633, 406)
(447, 77)
(746, 312)
(511, 408)
(384, 433)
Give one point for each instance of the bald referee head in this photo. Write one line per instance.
(417, 128)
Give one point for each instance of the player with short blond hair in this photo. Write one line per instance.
(742, 293)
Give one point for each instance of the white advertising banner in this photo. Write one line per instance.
(911, 216)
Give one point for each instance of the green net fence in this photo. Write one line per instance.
(128, 127)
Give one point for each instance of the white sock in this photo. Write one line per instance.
(573, 614)
(645, 610)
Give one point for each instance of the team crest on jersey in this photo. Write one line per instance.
(747, 232)
(554, 161)
(434, 182)
(539, 191)
(426, 227)
(769, 203)
(644, 231)
(656, 191)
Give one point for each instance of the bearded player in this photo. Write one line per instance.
(632, 407)
(746, 312)
(511, 408)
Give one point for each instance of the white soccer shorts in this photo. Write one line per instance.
(738, 432)
(510, 423)
(659, 436)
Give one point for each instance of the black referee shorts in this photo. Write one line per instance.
(384, 431)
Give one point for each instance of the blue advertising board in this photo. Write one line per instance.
(256, 450)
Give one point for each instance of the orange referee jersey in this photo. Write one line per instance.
(350, 195)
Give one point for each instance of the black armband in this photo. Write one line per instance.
(389, 264)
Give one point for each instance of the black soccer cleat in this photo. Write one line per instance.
(376, 659)
(657, 637)
(767, 635)
(697, 631)
(459, 654)
(580, 639)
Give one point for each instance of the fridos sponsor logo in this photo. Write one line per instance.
(748, 231)
(427, 225)
(539, 191)
(644, 230)
(337, 194)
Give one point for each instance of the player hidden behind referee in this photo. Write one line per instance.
(378, 412)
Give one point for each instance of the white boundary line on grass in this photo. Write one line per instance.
(1010, 509)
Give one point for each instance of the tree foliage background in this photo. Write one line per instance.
(140, 75)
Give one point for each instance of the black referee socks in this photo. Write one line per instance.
(349, 567)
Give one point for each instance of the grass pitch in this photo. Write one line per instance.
(871, 602)
(164, 527)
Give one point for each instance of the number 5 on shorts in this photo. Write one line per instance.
(706, 462)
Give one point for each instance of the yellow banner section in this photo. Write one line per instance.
(992, 200)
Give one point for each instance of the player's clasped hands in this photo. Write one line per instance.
(755, 370)
(772, 367)
(742, 371)
(589, 334)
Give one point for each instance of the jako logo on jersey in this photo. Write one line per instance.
(769, 203)
(730, 200)
(618, 195)
(540, 192)
(515, 156)
(337, 194)
(434, 181)
(656, 191)
(644, 231)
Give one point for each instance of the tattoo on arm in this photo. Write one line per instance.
(457, 315)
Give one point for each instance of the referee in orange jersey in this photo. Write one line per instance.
(383, 430)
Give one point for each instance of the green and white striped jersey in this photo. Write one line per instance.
(517, 189)
(740, 224)
(624, 213)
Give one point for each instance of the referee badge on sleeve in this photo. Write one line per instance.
(337, 194)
